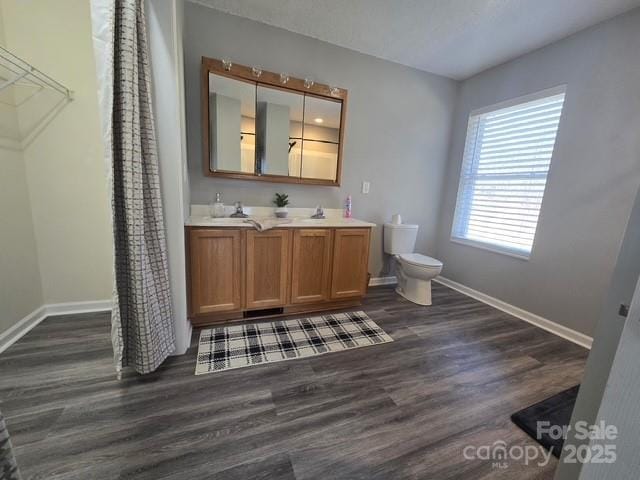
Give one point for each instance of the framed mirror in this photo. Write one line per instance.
(320, 138)
(232, 125)
(279, 120)
(264, 126)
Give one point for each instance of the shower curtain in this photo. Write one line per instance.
(142, 322)
(8, 466)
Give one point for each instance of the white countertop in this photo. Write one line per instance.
(300, 218)
(296, 222)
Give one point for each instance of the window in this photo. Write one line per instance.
(507, 156)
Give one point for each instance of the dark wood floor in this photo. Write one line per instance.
(405, 409)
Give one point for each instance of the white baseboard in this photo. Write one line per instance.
(552, 327)
(78, 307)
(17, 331)
(20, 329)
(376, 281)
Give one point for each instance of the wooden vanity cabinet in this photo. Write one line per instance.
(216, 257)
(236, 273)
(267, 271)
(311, 265)
(350, 261)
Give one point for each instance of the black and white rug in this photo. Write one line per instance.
(237, 346)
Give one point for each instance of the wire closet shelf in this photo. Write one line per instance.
(18, 72)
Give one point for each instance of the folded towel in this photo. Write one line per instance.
(262, 224)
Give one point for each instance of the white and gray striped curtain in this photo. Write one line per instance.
(8, 466)
(142, 323)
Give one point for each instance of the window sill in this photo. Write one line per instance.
(490, 248)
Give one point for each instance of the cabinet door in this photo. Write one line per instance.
(350, 262)
(216, 270)
(267, 268)
(311, 265)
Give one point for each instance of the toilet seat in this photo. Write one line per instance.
(419, 260)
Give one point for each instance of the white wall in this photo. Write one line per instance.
(64, 162)
(397, 129)
(595, 173)
(9, 130)
(164, 23)
(20, 289)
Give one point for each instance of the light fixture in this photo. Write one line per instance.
(318, 120)
(226, 64)
(257, 71)
(335, 91)
(284, 78)
(308, 83)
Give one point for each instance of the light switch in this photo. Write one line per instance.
(365, 187)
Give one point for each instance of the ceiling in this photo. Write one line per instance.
(453, 38)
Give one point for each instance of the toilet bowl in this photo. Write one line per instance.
(414, 271)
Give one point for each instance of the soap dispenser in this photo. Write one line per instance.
(217, 207)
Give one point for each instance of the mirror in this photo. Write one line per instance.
(279, 115)
(321, 138)
(259, 125)
(232, 124)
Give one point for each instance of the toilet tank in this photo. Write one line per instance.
(399, 238)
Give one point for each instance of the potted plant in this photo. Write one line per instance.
(281, 201)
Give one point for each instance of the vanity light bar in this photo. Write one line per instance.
(283, 78)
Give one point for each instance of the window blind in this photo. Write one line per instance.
(507, 156)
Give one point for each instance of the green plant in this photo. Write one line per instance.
(281, 200)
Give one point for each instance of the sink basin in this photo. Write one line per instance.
(224, 220)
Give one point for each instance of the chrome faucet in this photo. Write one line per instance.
(319, 213)
(239, 213)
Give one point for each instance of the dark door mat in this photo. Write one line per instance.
(556, 410)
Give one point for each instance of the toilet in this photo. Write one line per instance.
(413, 270)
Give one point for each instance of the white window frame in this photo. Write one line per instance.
(561, 89)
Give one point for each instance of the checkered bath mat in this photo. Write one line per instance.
(237, 346)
